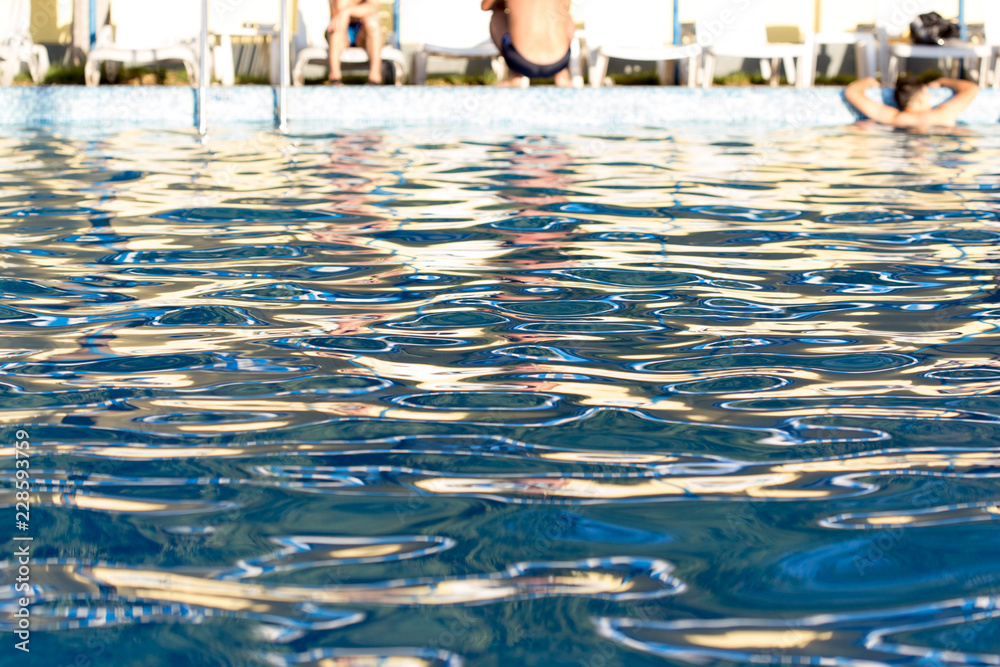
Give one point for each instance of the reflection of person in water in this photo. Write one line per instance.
(542, 179)
(356, 166)
(350, 171)
(542, 169)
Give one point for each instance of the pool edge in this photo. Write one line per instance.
(475, 106)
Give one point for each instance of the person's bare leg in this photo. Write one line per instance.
(498, 24)
(337, 40)
(563, 79)
(499, 28)
(373, 42)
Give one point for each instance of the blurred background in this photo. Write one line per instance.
(67, 30)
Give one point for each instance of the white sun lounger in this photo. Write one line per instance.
(310, 44)
(450, 29)
(992, 26)
(145, 32)
(243, 18)
(725, 28)
(865, 49)
(893, 19)
(650, 39)
(16, 47)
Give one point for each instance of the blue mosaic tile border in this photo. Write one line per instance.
(473, 106)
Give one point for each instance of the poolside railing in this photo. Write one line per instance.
(285, 73)
(204, 76)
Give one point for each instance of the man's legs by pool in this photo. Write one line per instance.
(337, 40)
(370, 38)
(343, 13)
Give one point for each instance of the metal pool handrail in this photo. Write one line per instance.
(203, 74)
(283, 87)
(203, 70)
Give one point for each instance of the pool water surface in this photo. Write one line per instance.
(439, 397)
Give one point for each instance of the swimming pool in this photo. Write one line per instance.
(434, 397)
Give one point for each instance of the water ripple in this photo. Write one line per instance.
(423, 397)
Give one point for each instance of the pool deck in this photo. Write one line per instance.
(475, 106)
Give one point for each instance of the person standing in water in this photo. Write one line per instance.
(533, 37)
(913, 98)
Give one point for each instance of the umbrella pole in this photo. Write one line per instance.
(93, 23)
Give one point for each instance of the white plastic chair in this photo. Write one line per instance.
(893, 19)
(725, 28)
(649, 38)
(448, 28)
(991, 23)
(310, 44)
(244, 18)
(147, 32)
(16, 47)
(865, 49)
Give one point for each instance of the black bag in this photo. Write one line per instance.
(932, 29)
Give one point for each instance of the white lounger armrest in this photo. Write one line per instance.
(764, 51)
(481, 51)
(934, 52)
(844, 38)
(865, 45)
(648, 54)
(357, 56)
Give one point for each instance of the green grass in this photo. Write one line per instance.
(348, 80)
(743, 79)
(354, 77)
(487, 78)
(636, 79)
(838, 80)
(62, 75)
(252, 80)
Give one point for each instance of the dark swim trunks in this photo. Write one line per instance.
(525, 67)
(353, 28)
(352, 32)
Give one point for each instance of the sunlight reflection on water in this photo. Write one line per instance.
(433, 399)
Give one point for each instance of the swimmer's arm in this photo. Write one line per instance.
(948, 112)
(877, 111)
